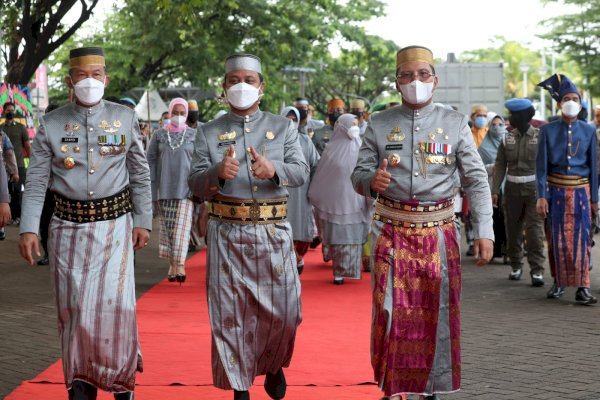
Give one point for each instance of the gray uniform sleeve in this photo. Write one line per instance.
(139, 180)
(4, 197)
(11, 162)
(474, 180)
(366, 164)
(293, 171)
(38, 175)
(152, 156)
(204, 174)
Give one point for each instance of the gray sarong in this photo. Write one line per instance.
(253, 300)
(92, 266)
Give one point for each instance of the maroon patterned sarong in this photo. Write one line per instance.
(403, 357)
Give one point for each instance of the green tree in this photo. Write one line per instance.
(577, 36)
(32, 30)
(171, 42)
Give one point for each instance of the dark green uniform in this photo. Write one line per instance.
(516, 162)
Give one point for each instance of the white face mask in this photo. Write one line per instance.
(417, 92)
(178, 120)
(89, 91)
(570, 109)
(353, 131)
(242, 95)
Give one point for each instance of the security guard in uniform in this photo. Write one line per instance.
(516, 162)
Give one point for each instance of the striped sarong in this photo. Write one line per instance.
(346, 260)
(569, 229)
(253, 300)
(415, 336)
(175, 226)
(93, 279)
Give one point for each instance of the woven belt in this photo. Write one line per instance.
(520, 179)
(414, 216)
(84, 211)
(248, 211)
(568, 181)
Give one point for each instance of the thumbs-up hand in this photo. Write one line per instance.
(229, 166)
(382, 178)
(261, 167)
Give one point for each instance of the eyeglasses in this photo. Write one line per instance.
(422, 75)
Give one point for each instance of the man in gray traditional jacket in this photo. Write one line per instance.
(242, 165)
(407, 161)
(90, 155)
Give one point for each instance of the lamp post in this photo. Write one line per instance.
(543, 71)
(524, 67)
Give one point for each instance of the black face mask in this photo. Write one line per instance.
(333, 117)
(193, 116)
(358, 114)
(521, 119)
(303, 113)
(10, 115)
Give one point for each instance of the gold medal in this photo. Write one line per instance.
(117, 123)
(69, 162)
(76, 149)
(67, 127)
(104, 150)
(270, 135)
(104, 125)
(439, 130)
(432, 136)
(446, 137)
(64, 148)
(394, 160)
(75, 127)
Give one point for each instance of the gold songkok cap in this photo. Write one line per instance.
(414, 53)
(238, 62)
(357, 103)
(86, 56)
(192, 105)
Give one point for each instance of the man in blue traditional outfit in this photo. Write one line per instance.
(567, 190)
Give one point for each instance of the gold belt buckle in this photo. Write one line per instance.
(254, 212)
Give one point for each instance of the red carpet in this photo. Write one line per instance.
(331, 357)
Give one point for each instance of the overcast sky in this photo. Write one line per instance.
(457, 25)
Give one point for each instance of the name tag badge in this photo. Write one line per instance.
(397, 146)
(510, 140)
(69, 140)
(533, 141)
(227, 143)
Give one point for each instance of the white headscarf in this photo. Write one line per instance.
(331, 190)
(286, 110)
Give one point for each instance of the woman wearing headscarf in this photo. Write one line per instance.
(343, 215)
(488, 150)
(169, 157)
(300, 213)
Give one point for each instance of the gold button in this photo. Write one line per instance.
(568, 157)
(91, 129)
(247, 130)
(91, 193)
(254, 188)
(92, 171)
(416, 174)
(418, 128)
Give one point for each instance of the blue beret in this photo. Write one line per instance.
(518, 104)
(558, 85)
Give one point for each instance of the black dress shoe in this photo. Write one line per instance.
(275, 385)
(471, 251)
(584, 296)
(315, 242)
(555, 292)
(81, 390)
(124, 396)
(241, 395)
(2, 235)
(43, 261)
